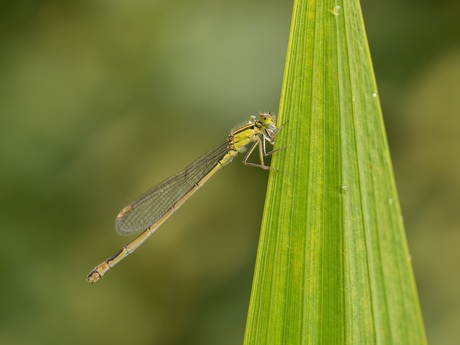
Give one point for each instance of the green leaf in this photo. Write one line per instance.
(333, 265)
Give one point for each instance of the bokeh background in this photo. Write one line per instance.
(100, 100)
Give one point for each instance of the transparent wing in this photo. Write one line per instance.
(153, 204)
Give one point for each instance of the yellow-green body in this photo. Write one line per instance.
(152, 208)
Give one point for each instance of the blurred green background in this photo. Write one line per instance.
(100, 100)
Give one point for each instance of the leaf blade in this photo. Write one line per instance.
(333, 264)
